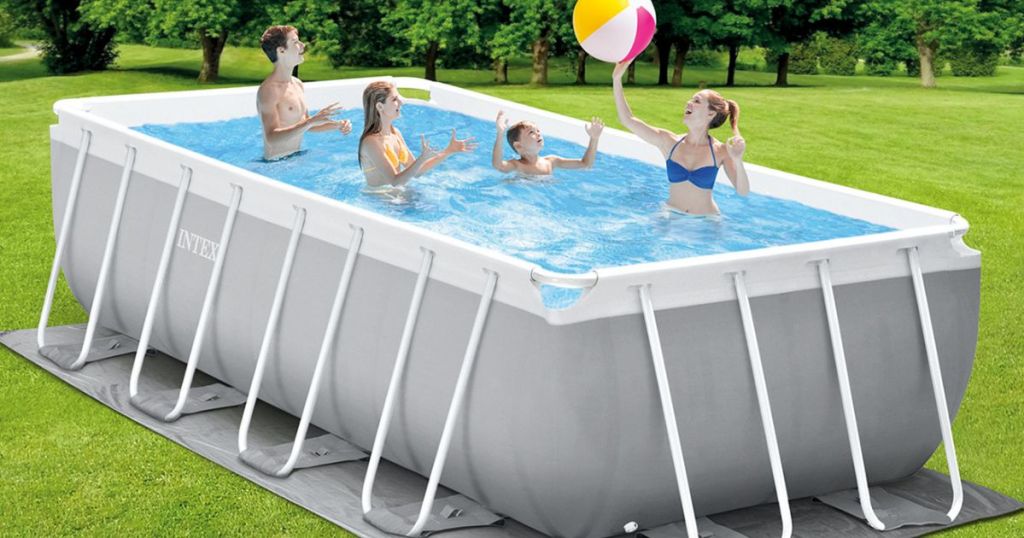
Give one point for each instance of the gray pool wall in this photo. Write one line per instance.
(562, 428)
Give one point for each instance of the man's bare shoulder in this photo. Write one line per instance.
(297, 82)
(269, 90)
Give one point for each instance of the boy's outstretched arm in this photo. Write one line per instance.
(497, 155)
(594, 129)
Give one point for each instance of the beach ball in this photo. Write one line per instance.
(614, 30)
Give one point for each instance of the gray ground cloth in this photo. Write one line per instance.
(322, 450)
(705, 529)
(892, 510)
(811, 517)
(159, 403)
(103, 347)
(333, 491)
(445, 514)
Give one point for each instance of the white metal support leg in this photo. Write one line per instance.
(171, 405)
(455, 409)
(452, 418)
(268, 334)
(108, 256)
(326, 346)
(62, 238)
(668, 410)
(158, 284)
(764, 405)
(211, 294)
(396, 379)
(935, 369)
(852, 432)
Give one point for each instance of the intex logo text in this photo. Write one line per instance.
(197, 244)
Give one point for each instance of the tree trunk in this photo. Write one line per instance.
(295, 71)
(212, 47)
(682, 49)
(541, 47)
(927, 54)
(782, 74)
(581, 67)
(431, 68)
(501, 71)
(734, 51)
(664, 46)
(631, 73)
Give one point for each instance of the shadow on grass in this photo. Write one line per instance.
(33, 68)
(28, 68)
(187, 74)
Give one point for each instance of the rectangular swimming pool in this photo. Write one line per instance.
(563, 424)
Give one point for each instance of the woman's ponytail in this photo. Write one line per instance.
(734, 116)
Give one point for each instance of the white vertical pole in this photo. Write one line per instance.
(158, 283)
(938, 389)
(396, 379)
(455, 409)
(668, 411)
(325, 351)
(268, 334)
(62, 238)
(764, 405)
(211, 293)
(108, 256)
(849, 414)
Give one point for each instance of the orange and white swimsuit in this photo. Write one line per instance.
(401, 158)
(396, 159)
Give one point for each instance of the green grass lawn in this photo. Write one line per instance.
(69, 465)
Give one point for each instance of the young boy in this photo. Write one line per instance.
(526, 139)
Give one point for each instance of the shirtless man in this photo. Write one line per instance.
(281, 100)
(527, 140)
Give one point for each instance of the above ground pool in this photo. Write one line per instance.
(592, 340)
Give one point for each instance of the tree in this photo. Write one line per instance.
(795, 21)
(885, 43)
(496, 15)
(1015, 30)
(545, 26)
(670, 15)
(682, 25)
(898, 30)
(430, 27)
(209, 21)
(347, 33)
(7, 27)
(735, 27)
(73, 43)
(581, 67)
(977, 41)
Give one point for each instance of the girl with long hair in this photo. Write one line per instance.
(692, 160)
(383, 154)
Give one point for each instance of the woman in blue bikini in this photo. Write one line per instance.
(692, 159)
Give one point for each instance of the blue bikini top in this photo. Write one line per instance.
(703, 177)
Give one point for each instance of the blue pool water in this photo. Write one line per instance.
(610, 215)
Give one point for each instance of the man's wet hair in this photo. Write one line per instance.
(274, 37)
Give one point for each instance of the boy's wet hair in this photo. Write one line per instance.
(514, 132)
(273, 37)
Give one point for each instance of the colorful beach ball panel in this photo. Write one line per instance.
(614, 30)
